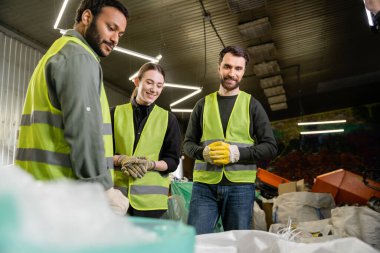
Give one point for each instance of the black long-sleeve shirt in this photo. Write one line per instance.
(171, 148)
(265, 147)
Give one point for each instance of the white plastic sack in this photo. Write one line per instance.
(307, 232)
(361, 222)
(64, 213)
(302, 206)
(249, 241)
(259, 222)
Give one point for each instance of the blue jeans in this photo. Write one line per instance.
(233, 203)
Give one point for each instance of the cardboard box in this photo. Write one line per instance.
(291, 187)
(268, 210)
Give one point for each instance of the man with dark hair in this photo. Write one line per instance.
(228, 133)
(65, 130)
(236, 51)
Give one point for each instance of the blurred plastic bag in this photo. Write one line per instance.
(302, 206)
(307, 232)
(248, 241)
(361, 222)
(183, 189)
(176, 209)
(69, 216)
(259, 222)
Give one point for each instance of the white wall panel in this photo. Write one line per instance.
(17, 62)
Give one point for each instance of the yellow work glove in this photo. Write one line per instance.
(222, 153)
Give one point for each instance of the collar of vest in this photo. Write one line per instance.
(76, 34)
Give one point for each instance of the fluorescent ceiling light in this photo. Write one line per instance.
(60, 14)
(133, 76)
(181, 110)
(321, 122)
(120, 49)
(189, 87)
(323, 131)
(139, 55)
(186, 97)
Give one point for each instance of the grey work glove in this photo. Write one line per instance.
(135, 167)
(117, 201)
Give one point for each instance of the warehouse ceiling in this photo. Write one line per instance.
(317, 55)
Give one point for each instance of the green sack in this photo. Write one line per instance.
(183, 190)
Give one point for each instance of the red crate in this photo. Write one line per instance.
(270, 178)
(346, 187)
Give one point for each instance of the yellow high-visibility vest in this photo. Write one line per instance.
(42, 149)
(151, 191)
(237, 133)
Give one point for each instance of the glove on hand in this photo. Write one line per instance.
(206, 155)
(223, 153)
(117, 201)
(133, 166)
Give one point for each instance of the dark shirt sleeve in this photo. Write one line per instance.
(191, 144)
(265, 147)
(171, 148)
(74, 81)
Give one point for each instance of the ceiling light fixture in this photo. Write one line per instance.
(321, 122)
(60, 14)
(188, 87)
(185, 98)
(139, 55)
(120, 49)
(133, 76)
(181, 110)
(323, 131)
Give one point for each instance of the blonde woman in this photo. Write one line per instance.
(147, 145)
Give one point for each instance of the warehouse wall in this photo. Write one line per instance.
(115, 95)
(17, 62)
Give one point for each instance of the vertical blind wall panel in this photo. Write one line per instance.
(17, 63)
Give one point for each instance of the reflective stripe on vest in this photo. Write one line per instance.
(237, 133)
(151, 191)
(42, 149)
